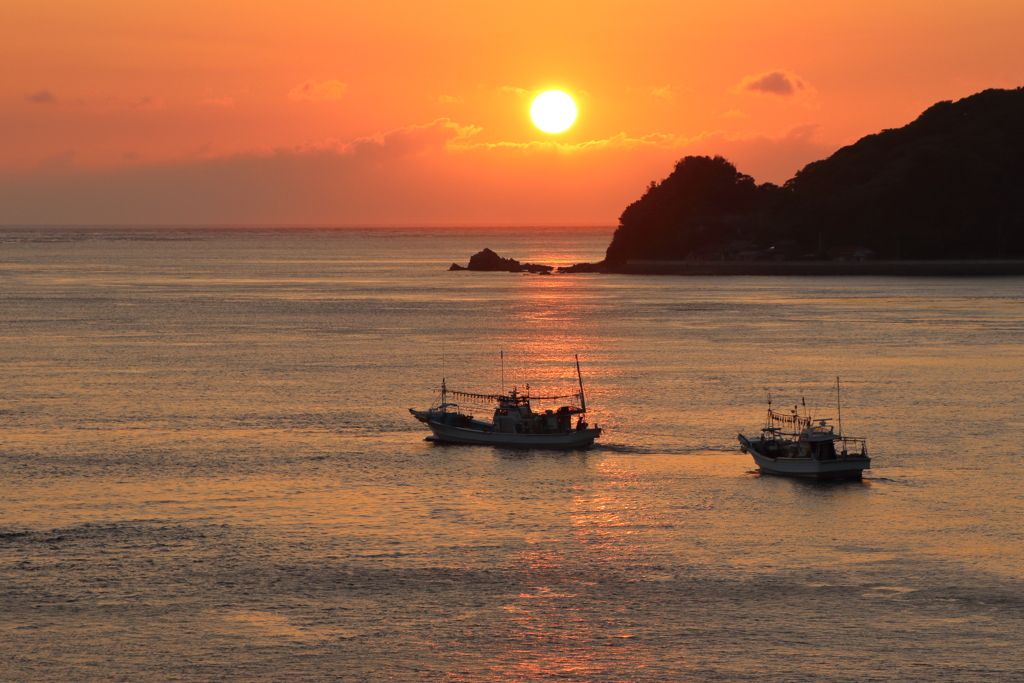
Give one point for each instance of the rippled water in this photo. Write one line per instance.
(209, 471)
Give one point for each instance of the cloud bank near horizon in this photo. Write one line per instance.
(429, 174)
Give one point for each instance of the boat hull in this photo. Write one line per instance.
(850, 467)
(563, 441)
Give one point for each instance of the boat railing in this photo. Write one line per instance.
(851, 447)
(843, 446)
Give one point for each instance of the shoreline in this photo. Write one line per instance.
(965, 268)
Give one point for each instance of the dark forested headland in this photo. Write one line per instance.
(949, 185)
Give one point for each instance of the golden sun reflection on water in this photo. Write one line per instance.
(550, 633)
(554, 627)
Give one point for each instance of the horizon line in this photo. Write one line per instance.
(313, 226)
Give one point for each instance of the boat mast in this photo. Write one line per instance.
(502, 372)
(839, 407)
(579, 376)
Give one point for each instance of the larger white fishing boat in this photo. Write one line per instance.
(514, 422)
(802, 446)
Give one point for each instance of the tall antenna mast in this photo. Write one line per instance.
(502, 372)
(444, 387)
(579, 376)
(839, 407)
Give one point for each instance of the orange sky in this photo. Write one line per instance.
(415, 113)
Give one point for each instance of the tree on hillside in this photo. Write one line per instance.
(699, 204)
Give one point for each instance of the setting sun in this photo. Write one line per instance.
(553, 111)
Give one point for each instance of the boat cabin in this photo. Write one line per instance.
(515, 416)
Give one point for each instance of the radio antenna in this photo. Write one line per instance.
(839, 407)
(579, 376)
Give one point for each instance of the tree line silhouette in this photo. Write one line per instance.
(949, 185)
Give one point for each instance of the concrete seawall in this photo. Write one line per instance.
(907, 268)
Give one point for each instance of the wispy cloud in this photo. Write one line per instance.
(620, 141)
(319, 91)
(780, 83)
(513, 90)
(101, 104)
(734, 114)
(41, 97)
(664, 92)
(393, 144)
(410, 140)
(766, 157)
(107, 105)
(661, 92)
(148, 104)
(226, 102)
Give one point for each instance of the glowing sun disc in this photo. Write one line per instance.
(553, 111)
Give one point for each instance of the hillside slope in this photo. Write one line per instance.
(949, 185)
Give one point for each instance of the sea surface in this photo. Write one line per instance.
(209, 471)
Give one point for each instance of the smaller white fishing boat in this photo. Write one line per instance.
(798, 445)
(514, 423)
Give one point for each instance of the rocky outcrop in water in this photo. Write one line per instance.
(488, 261)
(584, 268)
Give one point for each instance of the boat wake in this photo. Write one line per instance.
(716, 449)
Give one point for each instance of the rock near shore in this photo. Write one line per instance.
(489, 261)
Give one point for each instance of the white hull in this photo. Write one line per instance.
(850, 467)
(799, 445)
(574, 439)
